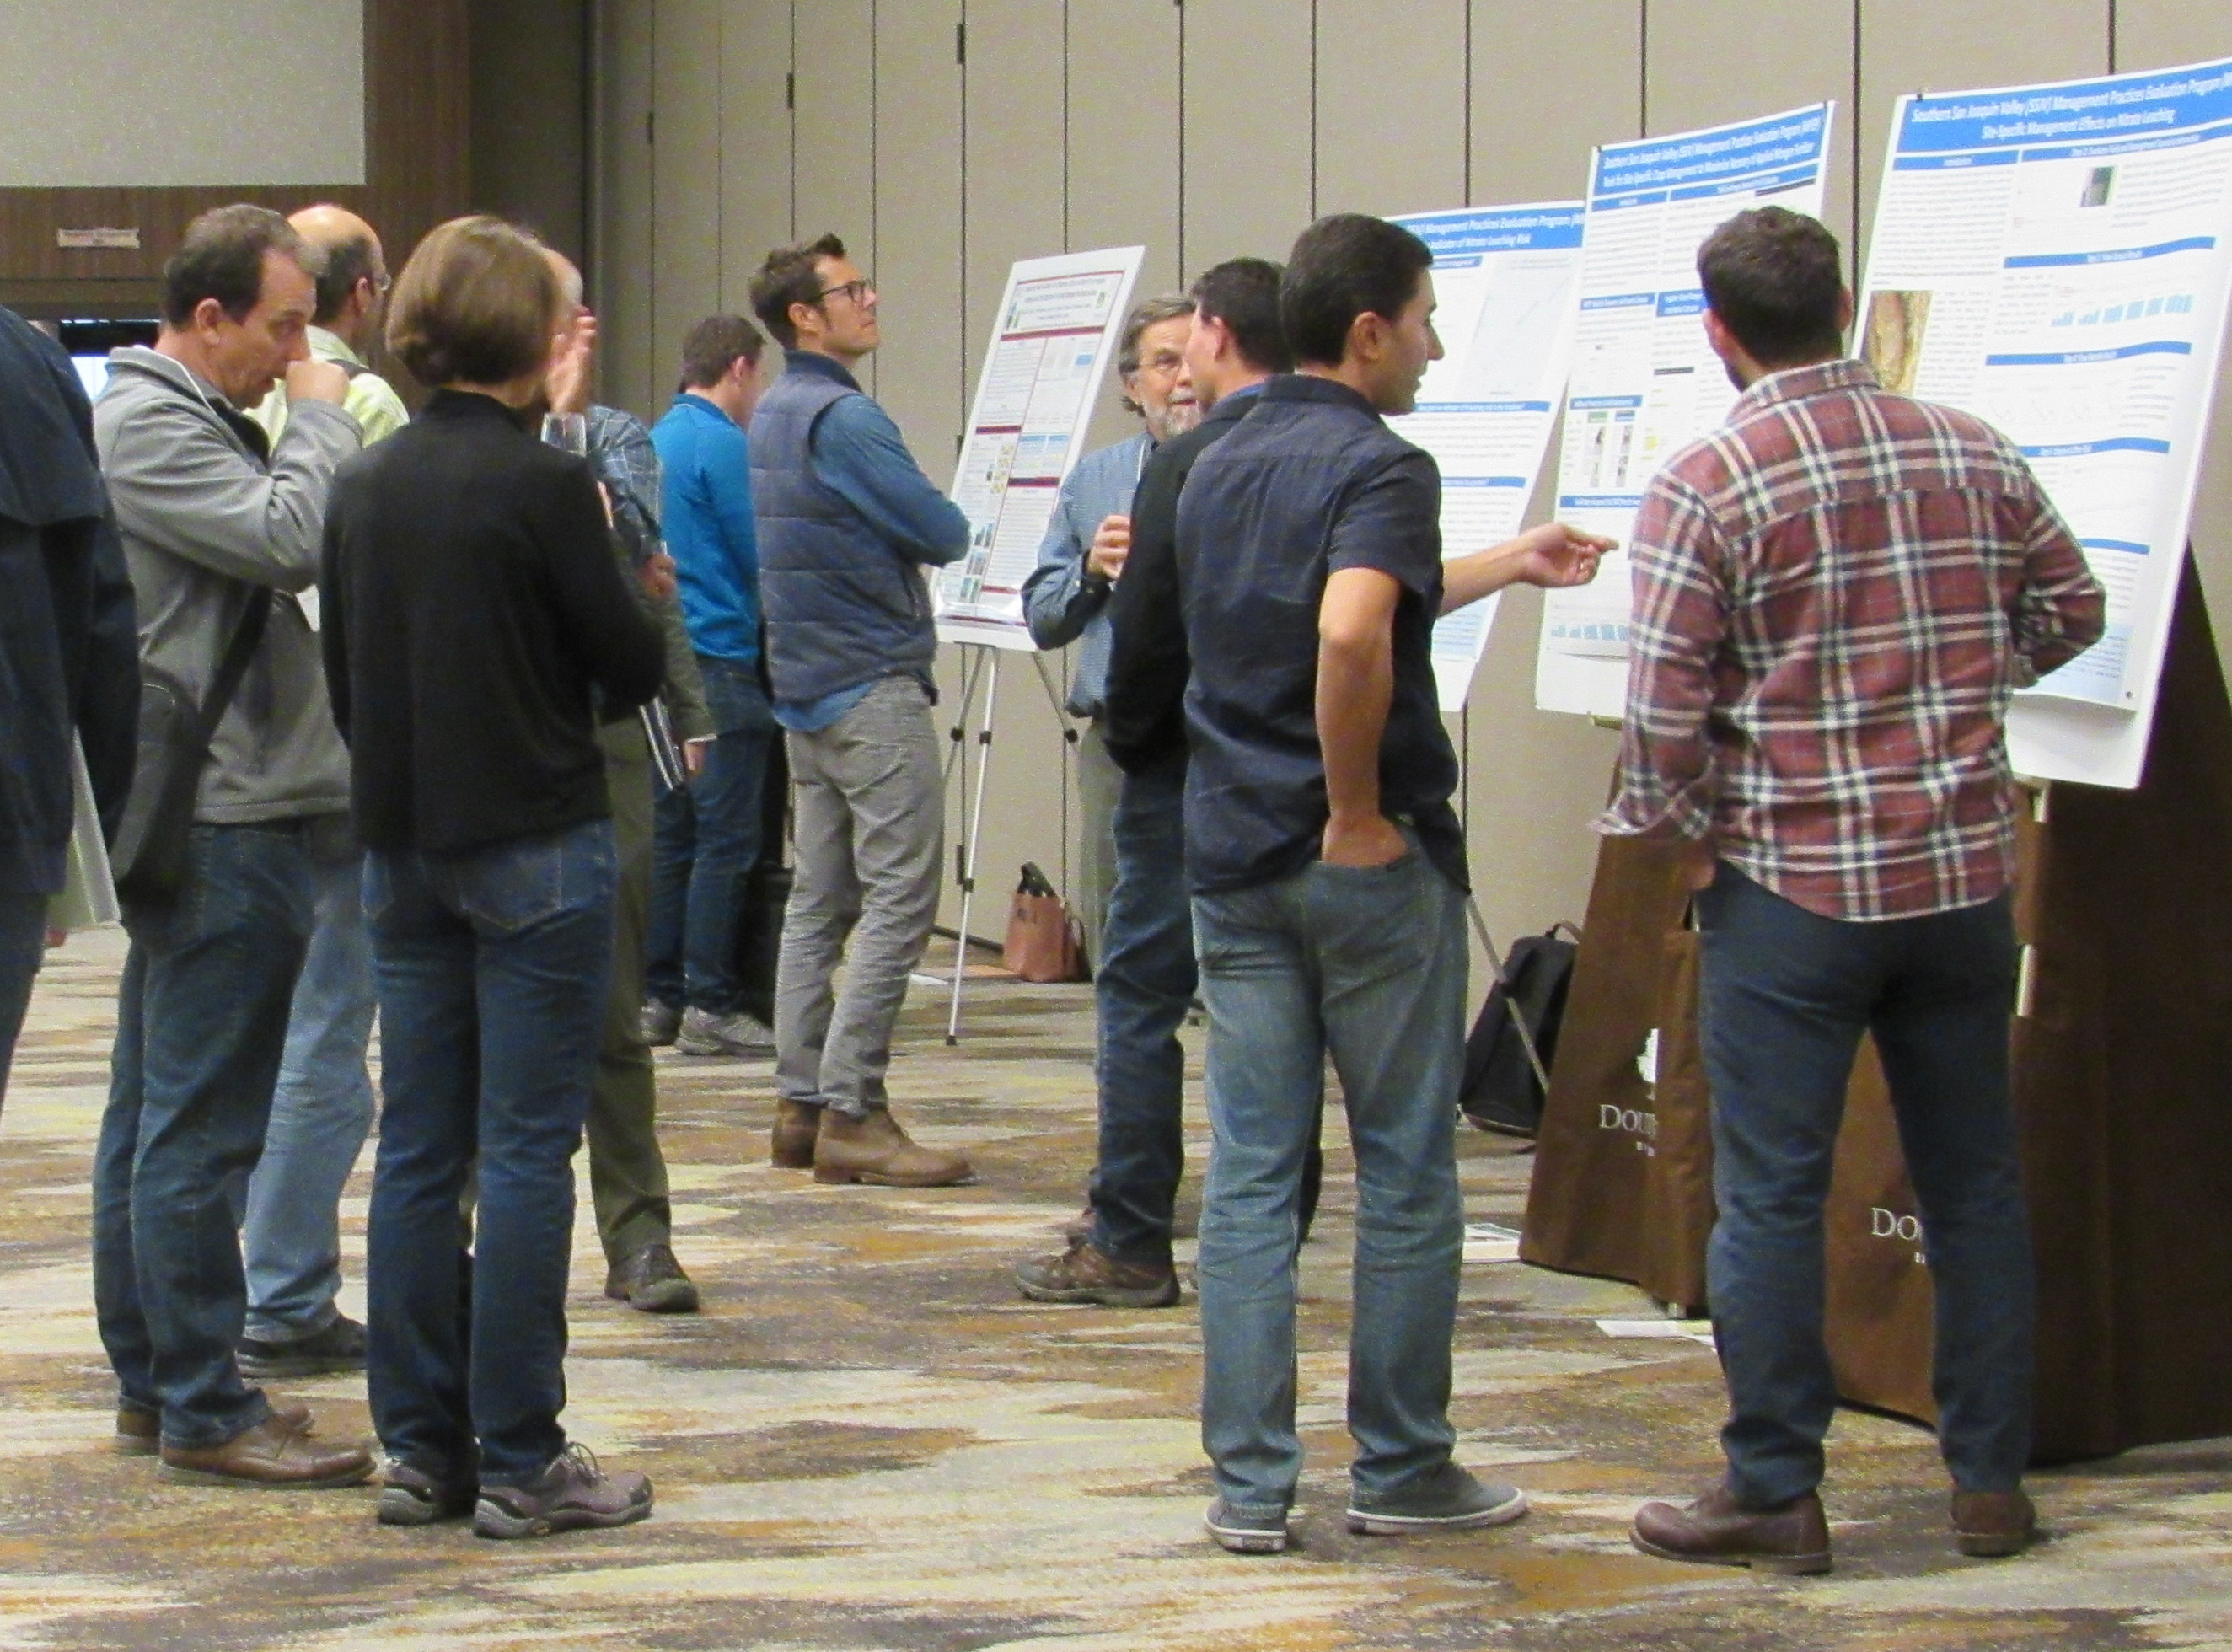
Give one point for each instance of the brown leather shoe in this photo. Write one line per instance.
(1990, 1524)
(876, 1151)
(796, 1125)
(277, 1454)
(140, 1434)
(1079, 1227)
(1792, 1541)
(1085, 1272)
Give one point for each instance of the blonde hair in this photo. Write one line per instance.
(477, 304)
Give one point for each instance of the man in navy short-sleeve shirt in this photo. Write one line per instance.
(1329, 876)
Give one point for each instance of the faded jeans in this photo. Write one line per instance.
(870, 810)
(1368, 964)
(1786, 994)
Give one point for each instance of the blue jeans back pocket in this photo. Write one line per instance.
(516, 885)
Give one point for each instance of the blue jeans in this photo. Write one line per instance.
(1370, 965)
(1785, 995)
(493, 968)
(22, 944)
(291, 1236)
(201, 1020)
(1142, 987)
(708, 843)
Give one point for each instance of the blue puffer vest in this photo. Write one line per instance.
(842, 607)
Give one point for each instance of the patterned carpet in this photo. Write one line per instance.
(868, 1441)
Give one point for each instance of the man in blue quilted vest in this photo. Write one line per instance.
(847, 525)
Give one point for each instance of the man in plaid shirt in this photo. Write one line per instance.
(1836, 594)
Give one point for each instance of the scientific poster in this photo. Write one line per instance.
(2054, 259)
(1644, 379)
(1505, 279)
(1055, 331)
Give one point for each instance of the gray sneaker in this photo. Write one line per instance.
(571, 1494)
(1450, 1500)
(661, 1022)
(412, 1496)
(703, 1033)
(1245, 1533)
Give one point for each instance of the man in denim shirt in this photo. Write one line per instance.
(1328, 877)
(1067, 596)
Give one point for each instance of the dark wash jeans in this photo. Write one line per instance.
(22, 944)
(1368, 964)
(1786, 994)
(493, 968)
(708, 842)
(1145, 982)
(201, 1023)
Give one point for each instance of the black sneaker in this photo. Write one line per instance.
(571, 1495)
(661, 1022)
(1450, 1500)
(411, 1496)
(339, 1347)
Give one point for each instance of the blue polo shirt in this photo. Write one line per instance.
(707, 517)
(1311, 481)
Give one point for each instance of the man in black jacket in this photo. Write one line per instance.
(68, 651)
(1146, 977)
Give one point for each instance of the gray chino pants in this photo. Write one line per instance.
(869, 811)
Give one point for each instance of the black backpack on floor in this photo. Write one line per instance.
(1501, 1091)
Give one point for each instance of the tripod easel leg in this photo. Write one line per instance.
(968, 865)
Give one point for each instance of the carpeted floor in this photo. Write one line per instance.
(868, 1441)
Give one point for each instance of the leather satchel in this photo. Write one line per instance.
(150, 856)
(1043, 941)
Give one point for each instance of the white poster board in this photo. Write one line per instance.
(1645, 381)
(1505, 279)
(1056, 330)
(2055, 260)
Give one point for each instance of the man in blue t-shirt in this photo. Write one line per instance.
(1328, 877)
(710, 831)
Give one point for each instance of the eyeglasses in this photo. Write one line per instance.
(858, 291)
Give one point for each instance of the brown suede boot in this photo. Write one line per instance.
(796, 1125)
(1991, 1524)
(1792, 1541)
(876, 1151)
(277, 1454)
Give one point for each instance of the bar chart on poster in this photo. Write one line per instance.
(1505, 281)
(1055, 331)
(2055, 260)
(1644, 379)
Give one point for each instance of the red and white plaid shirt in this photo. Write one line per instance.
(1836, 593)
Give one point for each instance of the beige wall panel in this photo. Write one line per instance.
(2161, 34)
(754, 142)
(1924, 46)
(1543, 96)
(1390, 105)
(1708, 62)
(623, 288)
(1248, 185)
(918, 373)
(685, 160)
(834, 168)
(1124, 150)
(1014, 113)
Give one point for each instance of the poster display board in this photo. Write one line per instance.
(1645, 381)
(2054, 259)
(1056, 330)
(1505, 281)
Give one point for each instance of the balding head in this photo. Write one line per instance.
(356, 270)
(570, 281)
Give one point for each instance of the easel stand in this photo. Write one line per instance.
(2122, 1051)
(980, 668)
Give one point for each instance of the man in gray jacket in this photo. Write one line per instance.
(217, 525)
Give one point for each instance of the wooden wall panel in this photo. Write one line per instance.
(1372, 59)
(919, 227)
(834, 166)
(530, 141)
(754, 213)
(622, 290)
(686, 159)
(418, 144)
(1249, 187)
(1543, 97)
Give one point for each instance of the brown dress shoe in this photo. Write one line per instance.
(139, 1433)
(1079, 1227)
(796, 1125)
(1792, 1541)
(876, 1151)
(1990, 1525)
(1085, 1272)
(277, 1454)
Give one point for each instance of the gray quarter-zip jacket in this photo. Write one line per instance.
(209, 527)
